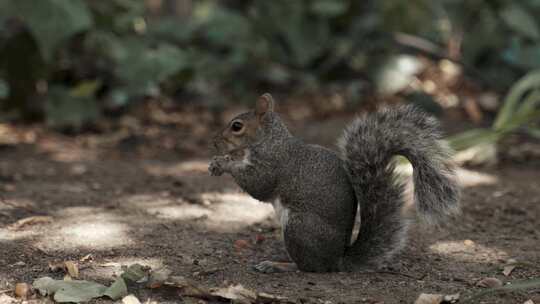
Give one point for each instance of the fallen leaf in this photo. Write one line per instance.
(468, 243)
(426, 298)
(56, 266)
(236, 294)
(268, 298)
(507, 270)
(19, 263)
(22, 290)
(130, 299)
(117, 290)
(78, 290)
(72, 269)
(32, 220)
(46, 285)
(86, 258)
(489, 283)
(136, 273)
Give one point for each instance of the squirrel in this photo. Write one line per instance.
(316, 192)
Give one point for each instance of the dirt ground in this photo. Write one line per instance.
(161, 208)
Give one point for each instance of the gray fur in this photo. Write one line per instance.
(320, 188)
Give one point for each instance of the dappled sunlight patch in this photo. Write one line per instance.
(217, 211)
(96, 234)
(235, 210)
(84, 227)
(469, 251)
(65, 151)
(180, 169)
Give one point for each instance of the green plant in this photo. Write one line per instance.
(231, 48)
(520, 108)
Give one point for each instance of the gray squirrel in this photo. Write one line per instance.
(316, 192)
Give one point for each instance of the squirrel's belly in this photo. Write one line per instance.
(282, 213)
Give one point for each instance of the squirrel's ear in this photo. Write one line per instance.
(265, 104)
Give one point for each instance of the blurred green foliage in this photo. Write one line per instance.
(68, 61)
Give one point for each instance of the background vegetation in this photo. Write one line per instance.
(68, 62)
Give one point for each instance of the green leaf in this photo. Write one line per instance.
(518, 19)
(514, 96)
(46, 285)
(51, 22)
(69, 291)
(86, 88)
(4, 89)
(117, 290)
(535, 132)
(64, 109)
(135, 272)
(78, 291)
(142, 68)
(473, 137)
(329, 8)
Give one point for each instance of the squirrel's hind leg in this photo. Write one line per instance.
(275, 267)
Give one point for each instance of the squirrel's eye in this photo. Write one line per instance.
(237, 126)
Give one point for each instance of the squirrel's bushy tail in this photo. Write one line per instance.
(368, 146)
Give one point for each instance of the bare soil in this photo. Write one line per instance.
(132, 202)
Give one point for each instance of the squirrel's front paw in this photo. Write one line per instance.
(217, 165)
(275, 267)
(215, 169)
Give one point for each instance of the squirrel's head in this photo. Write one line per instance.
(249, 128)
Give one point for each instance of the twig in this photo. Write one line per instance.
(393, 273)
(5, 291)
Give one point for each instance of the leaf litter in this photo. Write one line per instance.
(77, 291)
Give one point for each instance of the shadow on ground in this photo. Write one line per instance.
(124, 209)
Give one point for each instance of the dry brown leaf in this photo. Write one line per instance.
(86, 258)
(72, 269)
(468, 243)
(22, 290)
(32, 220)
(235, 293)
(507, 270)
(489, 283)
(426, 298)
(56, 266)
